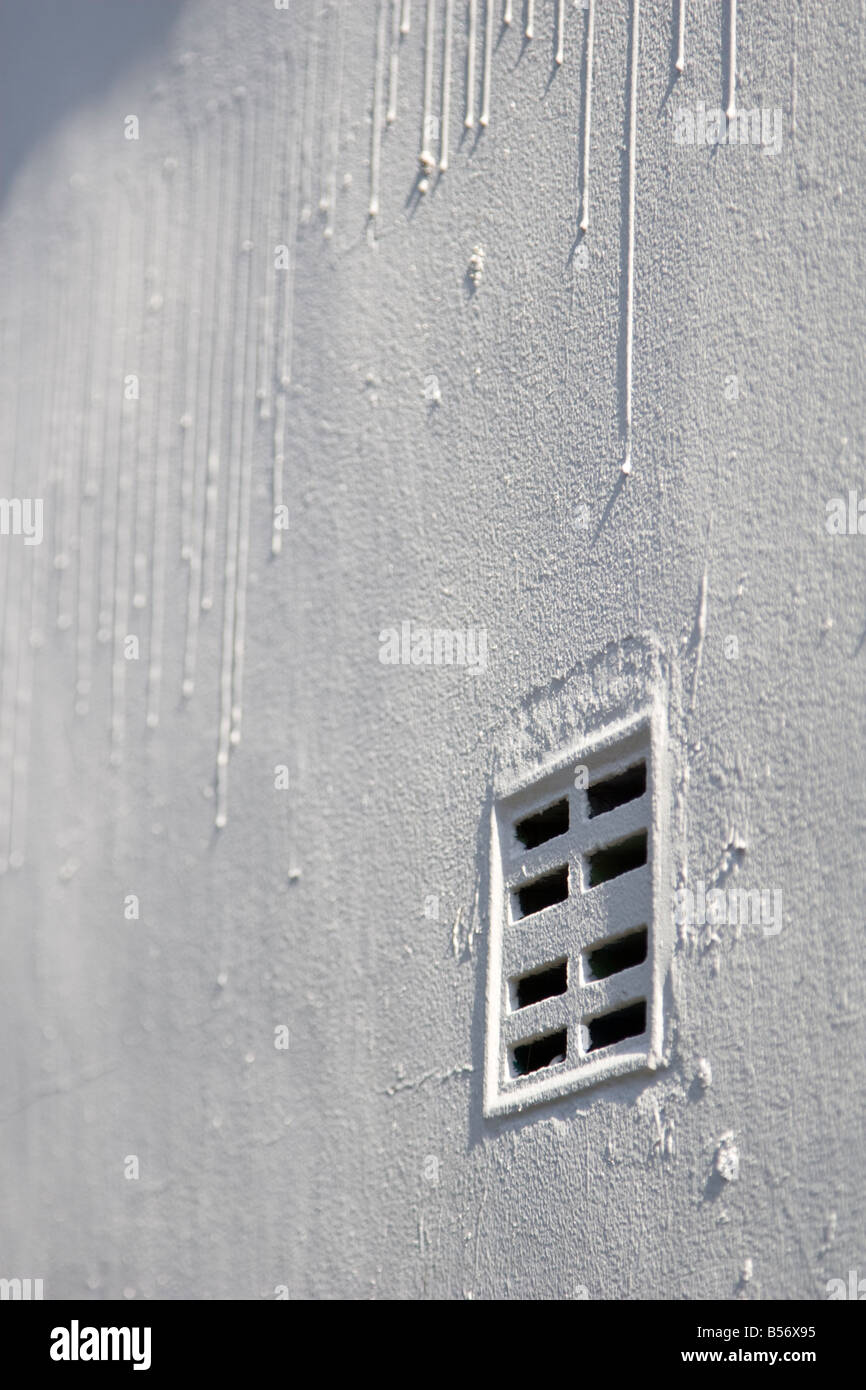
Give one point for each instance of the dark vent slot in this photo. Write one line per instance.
(616, 791)
(543, 825)
(543, 892)
(614, 956)
(543, 984)
(618, 859)
(612, 1028)
(540, 1053)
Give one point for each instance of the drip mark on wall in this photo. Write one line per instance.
(469, 120)
(88, 534)
(330, 198)
(195, 271)
(241, 282)
(221, 364)
(246, 485)
(699, 634)
(32, 604)
(681, 35)
(286, 338)
(587, 115)
(327, 107)
(265, 358)
(311, 72)
(446, 86)
(62, 448)
(147, 413)
(214, 166)
(425, 157)
(393, 63)
(70, 577)
(732, 59)
(488, 62)
(629, 310)
(12, 566)
(127, 457)
(376, 132)
(164, 446)
(794, 80)
(114, 388)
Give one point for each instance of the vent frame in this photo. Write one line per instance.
(586, 920)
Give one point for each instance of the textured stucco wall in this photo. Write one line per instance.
(356, 1162)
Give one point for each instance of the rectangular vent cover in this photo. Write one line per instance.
(578, 943)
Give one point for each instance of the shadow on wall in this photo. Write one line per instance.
(57, 54)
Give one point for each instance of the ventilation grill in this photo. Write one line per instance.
(575, 962)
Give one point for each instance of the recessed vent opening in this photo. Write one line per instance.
(607, 1029)
(541, 984)
(543, 825)
(575, 984)
(618, 859)
(533, 1056)
(616, 791)
(541, 893)
(613, 956)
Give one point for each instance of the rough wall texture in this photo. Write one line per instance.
(447, 436)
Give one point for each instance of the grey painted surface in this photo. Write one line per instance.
(357, 1161)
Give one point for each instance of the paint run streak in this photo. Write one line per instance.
(587, 115)
(82, 510)
(113, 407)
(629, 310)
(35, 578)
(123, 504)
(376, 132)
(406, 20)
(55, 451)
(220, 368)
(425, 158)
(23, 718)
(333, 152)
(469, 120)
(246, 454)
(94, 407)
(530, 19)
(446, 86)
(62, 450)
(238, 464)
(484, 119)
(213, 174)
(165, 444)
(393, 63)
(329, 44)
(151, 382)
(286, 337)
(681, 36)
(699, 633)
(311, 71)
(793, 76)
(13, 558)
(732, 59)
(560, 33)
(507, 13)
(72, 463)
(265, 367)
(195, 274)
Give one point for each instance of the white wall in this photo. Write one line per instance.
(502, 507)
